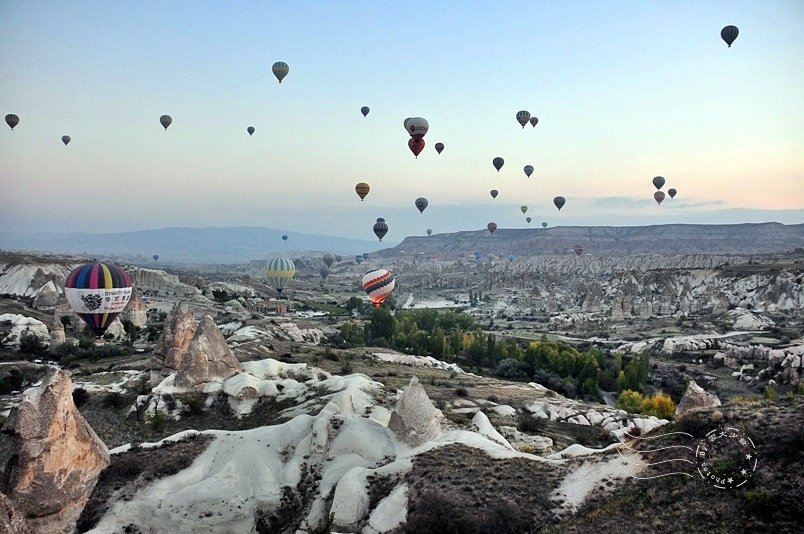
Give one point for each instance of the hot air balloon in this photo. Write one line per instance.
(324, 272)
(250, 130)
(338, 258)
(528, 170)
(365, 256)
(523, 209)
(98, 292)
(165, 120)
(328, 259)
(498, 162)
(284, 238)
(672, 192)
(365, 110)
(280, 70)
(155, 257)
(528, 219)
(12, 120)
(439, 147)
(658, 196)
(378, 285)
(494, 193)
(362, 189)
(279, 272)
(380, 228)
(491, 227)
(359, 259)
(65, 139)
(522, 117)
(432, 268)
(578, 249)
(559, 202)
(729, 34)
(421, 204)
(429, 232)
(534, 121)
(544, 225)
(417, 127)
(658, 182)
(416, 146)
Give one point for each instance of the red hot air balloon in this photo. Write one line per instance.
(98, 292)
(578, 249)
(378, 285)
(491, 227)
(659, 197)
(416, 146)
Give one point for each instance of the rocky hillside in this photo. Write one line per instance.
(764, 238)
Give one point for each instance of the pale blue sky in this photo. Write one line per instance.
(623, 91)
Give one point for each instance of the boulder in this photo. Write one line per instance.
(415, 419)
(11, 520)
(208, 358)
(50, 456)
(695, 398)
(136, 312)
(179, 329)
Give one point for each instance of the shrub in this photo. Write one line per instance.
(630, 401)
(530, 423)
(31, 344)
(771, 394)
(347, 369)
(156, 419)
(462, 392)
(493, 398)
(195, 401)
(659, 405)
(80, 397)
(114, 400)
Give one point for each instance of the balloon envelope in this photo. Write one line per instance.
(559, 202)
(658, 182)
(155, 257)
(98, 292)
(165, 121)
(544, 225)
(498, 162)
(491, 227)
(494, 193)
(523, 209)
(279, 272)
(439, 147)
(284, 238)
(416, 146)
(528, 219)
(578, 249)
(359, 259)
(729, 34)
(12, 120)
(65, 139)
(672, 193)
(250, 130)
(658, 196)
(528, 170)
(417, 127)
(534, 121)
(421, 204)
(280, 70)
(362, 189)
(522, 117)
(324, 271)
(380, 228)
(429, 231)
(328, 259)
(378, 285)
(365, 110)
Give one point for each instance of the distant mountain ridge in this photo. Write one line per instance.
(177, 244)
(753, 238)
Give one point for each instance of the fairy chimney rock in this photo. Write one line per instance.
(208, 358)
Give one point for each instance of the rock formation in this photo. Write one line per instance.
(11, 520)
(179, 329)
(57, 336)
(47, 297)
(19, 326)
(208, 358)
(159, 282)
(696, 398)
(415, 419)
(136, 312)
(51, 458)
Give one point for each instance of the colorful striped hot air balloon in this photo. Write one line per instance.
(378, 285)
(98, 292)
(279, 272)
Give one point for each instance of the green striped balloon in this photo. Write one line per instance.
(280, 271)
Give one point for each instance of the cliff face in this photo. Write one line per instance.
(672, 239)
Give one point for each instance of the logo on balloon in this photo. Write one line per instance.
(91, 302)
